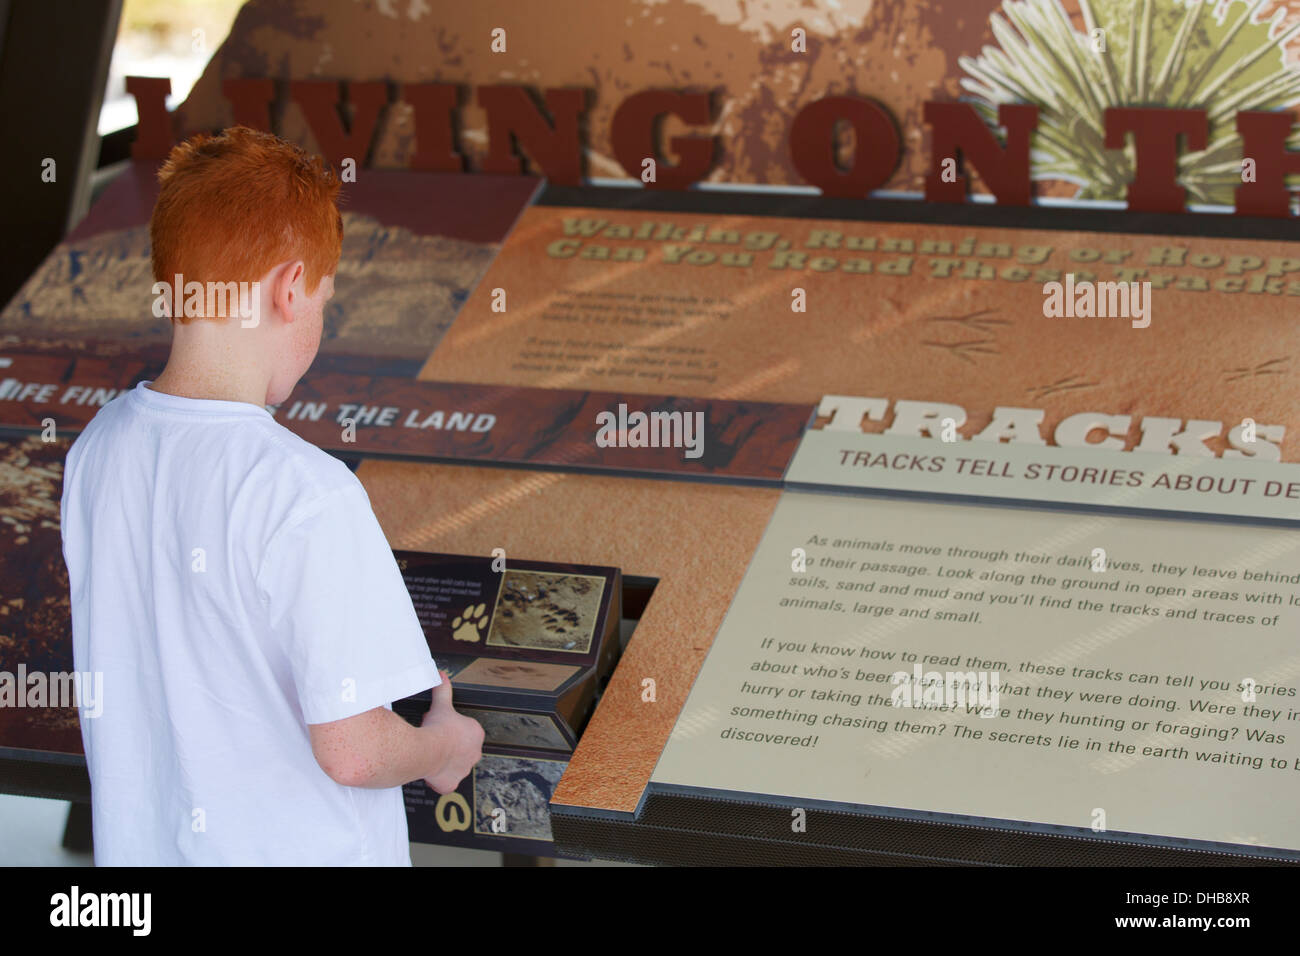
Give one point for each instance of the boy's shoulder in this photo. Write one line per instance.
(315, 470)
(250, 446)
(298, 478)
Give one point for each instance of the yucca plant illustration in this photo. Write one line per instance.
(1218, 55)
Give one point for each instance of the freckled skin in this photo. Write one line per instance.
(222, 359)
(259, 363)
(380, 749)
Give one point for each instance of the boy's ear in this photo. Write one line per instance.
(286, 289)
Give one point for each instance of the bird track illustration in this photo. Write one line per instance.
(1067, 384)
(975, 320)
(1271, 367)
(965, 350)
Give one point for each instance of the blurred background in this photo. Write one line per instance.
(162, 38)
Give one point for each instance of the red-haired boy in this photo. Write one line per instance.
(228, 579)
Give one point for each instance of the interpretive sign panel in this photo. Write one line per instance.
(1129, 677)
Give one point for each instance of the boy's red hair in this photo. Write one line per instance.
(234, 205)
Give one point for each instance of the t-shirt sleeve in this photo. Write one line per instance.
(334, 592)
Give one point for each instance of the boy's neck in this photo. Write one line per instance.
(198, 388)
(207, 361)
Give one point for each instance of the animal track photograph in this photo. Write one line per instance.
(521, 675)
(547, 611)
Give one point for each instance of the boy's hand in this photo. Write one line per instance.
(462, 735)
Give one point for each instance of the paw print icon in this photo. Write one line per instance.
(469, 626)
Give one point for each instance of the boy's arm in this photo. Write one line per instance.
(378, 749)
(336, 600)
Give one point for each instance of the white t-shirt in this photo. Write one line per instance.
(231, 583)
